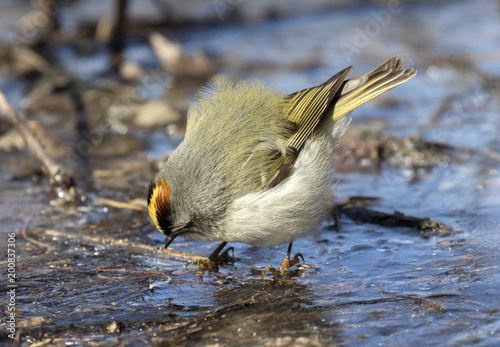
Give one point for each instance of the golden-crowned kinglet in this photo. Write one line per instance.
(256, 165)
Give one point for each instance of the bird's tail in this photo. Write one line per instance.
(358, 90)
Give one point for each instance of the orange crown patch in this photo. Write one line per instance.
(158, 202)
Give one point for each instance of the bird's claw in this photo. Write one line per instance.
(284, 269)
(211, 264)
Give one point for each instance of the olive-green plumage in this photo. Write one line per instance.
(255, 165)
(248, 115)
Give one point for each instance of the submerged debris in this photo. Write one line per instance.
(355, 209)
(367, 149)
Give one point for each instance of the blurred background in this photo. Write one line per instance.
(100, 92)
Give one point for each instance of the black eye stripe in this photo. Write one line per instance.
(162, 214)
(150, 191)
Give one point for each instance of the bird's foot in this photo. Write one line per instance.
(284, 270)
(211, 264)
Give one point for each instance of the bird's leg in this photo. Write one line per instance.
(286, 264)
(212, 262)
(336, 217)
(225, 255)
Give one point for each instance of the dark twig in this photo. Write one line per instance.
(24, 233)
(116, 42)
(58, 174)
(362, 214)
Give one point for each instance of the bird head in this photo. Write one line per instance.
(160, 209)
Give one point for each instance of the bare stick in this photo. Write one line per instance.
(28, 238)
(118, 36)
(56, 172)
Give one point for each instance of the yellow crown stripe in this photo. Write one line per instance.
(160, 199)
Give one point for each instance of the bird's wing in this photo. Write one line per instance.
(331, 101)
(307, 107)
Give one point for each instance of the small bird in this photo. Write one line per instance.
(256, 165)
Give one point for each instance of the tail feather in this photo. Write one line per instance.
(358, 90)
(394, 63)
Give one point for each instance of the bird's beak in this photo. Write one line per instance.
(170, 238)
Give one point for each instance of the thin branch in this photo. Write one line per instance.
(117, 39)
(120, 204)
(170, 253)
(28, 238)
(57, 173)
